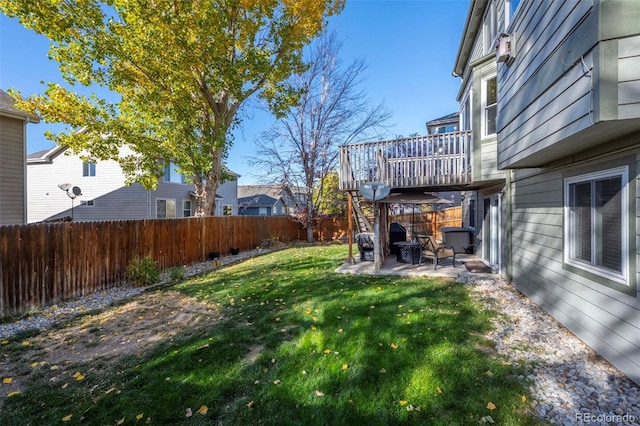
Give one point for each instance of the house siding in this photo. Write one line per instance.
(606, 319)
(12, 171)
(629, 78)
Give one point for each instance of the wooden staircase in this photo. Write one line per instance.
(362, 223)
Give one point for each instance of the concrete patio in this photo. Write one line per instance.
(391, 266)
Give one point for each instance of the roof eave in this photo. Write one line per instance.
(471, 27)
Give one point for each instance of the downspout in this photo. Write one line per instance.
(24, 171)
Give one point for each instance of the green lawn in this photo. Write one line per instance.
(296, 343)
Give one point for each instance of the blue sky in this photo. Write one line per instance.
(409, 48)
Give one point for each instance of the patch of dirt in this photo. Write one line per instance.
(117, 332)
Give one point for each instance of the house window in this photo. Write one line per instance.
(165, 209)
(227, 210)
(596, 218)
(186, 208)
(87, 203)
(262, 211)
(490, 28)
(489, 105)
(88, 169)
(465, 115)
(171, 174)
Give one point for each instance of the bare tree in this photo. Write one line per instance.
(301, 148)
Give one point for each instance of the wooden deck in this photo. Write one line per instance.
(437, 161)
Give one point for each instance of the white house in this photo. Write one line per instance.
(104, 195)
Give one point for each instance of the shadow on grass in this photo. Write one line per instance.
(299, 344)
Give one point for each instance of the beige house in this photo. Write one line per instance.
(13, 159)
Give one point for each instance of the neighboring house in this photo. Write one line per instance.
(568, 125)
(13, 161)
(267, 200)
(447, 124)
(104, 193)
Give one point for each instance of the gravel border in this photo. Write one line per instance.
(569, 383)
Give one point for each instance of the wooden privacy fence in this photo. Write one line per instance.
(430, 223)
(42, 264)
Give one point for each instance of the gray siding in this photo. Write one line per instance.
(545, 95)
(12, 171)
(606, 319)
(629, 77)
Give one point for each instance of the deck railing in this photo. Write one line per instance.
(435, 160)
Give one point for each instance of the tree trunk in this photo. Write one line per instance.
(310, 233)
(206, 190)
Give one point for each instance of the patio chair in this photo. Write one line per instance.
(365, 245)
(435, 250)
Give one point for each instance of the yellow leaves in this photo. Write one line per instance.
(307, 312)
(78, 376)
(491, 406)
(277, 382)
(383, 371)
(26, 343)
(4, 342)
(319, 394)
(315, 319)
(314, 328)
(403, 402)
(120, 422)
(203, 410)
(67, 417)
(439, 389)
(7, 381)
(327, 351)
(523, 398)
(393, 346)
(488, 373)
(345, 366)
(14, 393)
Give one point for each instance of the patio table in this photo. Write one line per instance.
(409, 251)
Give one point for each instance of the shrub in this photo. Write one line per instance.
(176, 273)
(143, 271)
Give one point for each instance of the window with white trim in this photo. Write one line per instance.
(227, 210)
(186, 208)
(489, 105)
(490, 28)
(165, 209)
(597, 223)
(88, 169)
(171, 173)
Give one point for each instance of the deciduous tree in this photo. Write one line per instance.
(301, 148)
(182, 70)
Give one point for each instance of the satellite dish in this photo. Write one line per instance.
(65, 186)
(76, 191)
(374, 191)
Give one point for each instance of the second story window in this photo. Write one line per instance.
(88, 169)
(465, 114)
(490, 28)
(171, 174)
(490, 106)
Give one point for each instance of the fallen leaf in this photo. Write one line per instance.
(26, 343)
(327, 351)
(67, 418)
(14, 393)
(345, 366)
(188, 413)
(307, 312)
(250, 404)
(78, 376)
(304, 372)
(488, 373)
(314, 318)
(394, 346)
(34, 365)
(121, 421)
(314, 328)
(5, 342)
(65, 385)
(7, 380)
(403, 402)
(524, 398)
(340, 330)
(491, 406)
(203, 410)
(53, 367)
(277, 382)
(439, 389)
(382, 370)
(139, 416)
